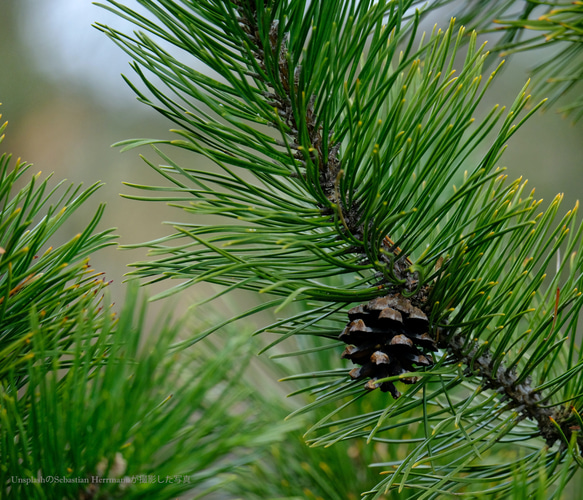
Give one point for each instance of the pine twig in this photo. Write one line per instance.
(554, 424)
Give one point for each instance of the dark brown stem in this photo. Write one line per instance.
(519, 395)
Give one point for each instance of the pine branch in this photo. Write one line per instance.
(89, 408)
(360, 198)
(521, 396)
(553, 424)
(329, 166)
(325, 156)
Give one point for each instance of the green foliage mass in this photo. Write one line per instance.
(93, 406)
(351, 162)
(125, 421)
(350, 165)
(88, 407)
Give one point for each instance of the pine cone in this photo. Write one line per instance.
(387, 337)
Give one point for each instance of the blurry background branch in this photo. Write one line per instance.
(552, 28)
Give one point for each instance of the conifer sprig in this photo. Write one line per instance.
(528, 25)
(34, 276)
(369, 183)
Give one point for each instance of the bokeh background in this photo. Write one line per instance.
(66, 103)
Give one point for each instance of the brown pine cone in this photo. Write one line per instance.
(387, 337)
